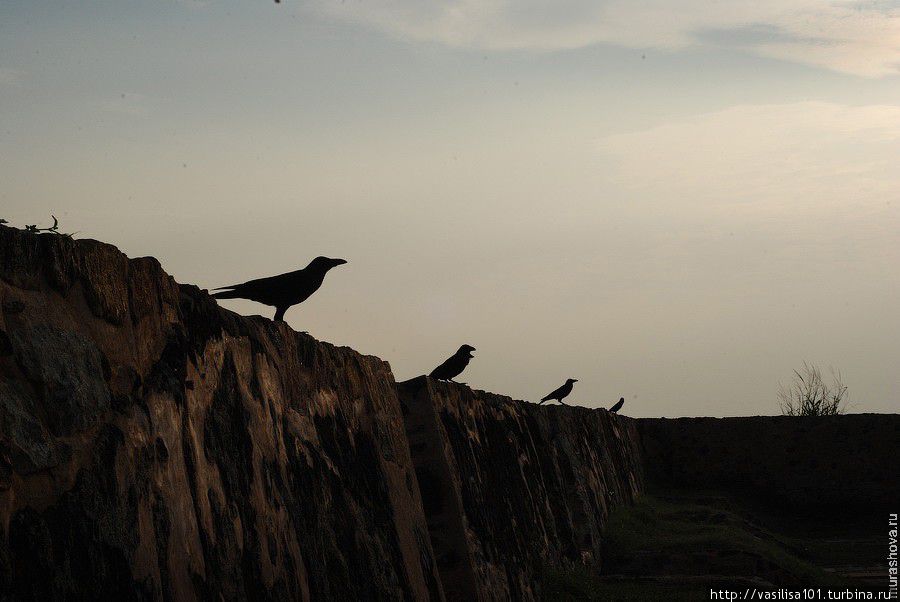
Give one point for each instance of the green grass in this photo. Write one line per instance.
(678, 526)
(706, 528)
(580, 584)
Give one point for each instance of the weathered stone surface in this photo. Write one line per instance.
(26, 444)
(511, 488)
(154, 446)
(64, 368)
(814, 464)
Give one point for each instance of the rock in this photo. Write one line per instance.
(5, 344)
(13, 306)
(155, 446)
(28, 446)
(510, 488)
(64, 366)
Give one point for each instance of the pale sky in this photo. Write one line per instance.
(675, 202)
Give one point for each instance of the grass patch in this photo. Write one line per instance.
(677, 527)
(580, 584)
(680, 548)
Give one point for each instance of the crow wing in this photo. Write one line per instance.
(256, 284)
(270, 290)
(449, 368)
(560, 392)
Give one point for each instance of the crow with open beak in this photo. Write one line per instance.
(454, 365)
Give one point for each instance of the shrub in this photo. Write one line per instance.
(810, 395)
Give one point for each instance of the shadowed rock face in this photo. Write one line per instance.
(510, 487)
(155, 446)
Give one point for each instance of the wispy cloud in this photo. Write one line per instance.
(195, 3)
(10, 78)
(857, 37)
(759, 162)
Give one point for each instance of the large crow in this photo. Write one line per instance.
(284, 290)
(618, 405)
(562, 392)
(454, 365)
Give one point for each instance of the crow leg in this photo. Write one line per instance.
(279, 313)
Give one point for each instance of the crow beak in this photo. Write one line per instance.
(339, 261)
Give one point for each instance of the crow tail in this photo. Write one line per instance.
(226, 295)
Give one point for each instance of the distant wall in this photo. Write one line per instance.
(510, 488)
(824, 463)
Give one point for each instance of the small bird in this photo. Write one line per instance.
(454, 365)
(284, 290)
(562, 392)
(618, 405)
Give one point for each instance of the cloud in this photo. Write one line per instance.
(857, 37)
(195, 3)
(799, 163)
(10, 78)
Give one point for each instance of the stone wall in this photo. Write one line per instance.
(154, 446)
(511, 488)
(809, 463)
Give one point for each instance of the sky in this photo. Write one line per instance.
(678, 203)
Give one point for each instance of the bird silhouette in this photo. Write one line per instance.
(454, 365)
(562, 392)
(618, 405)
(284, 290)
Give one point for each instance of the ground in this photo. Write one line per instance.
(681, 545)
